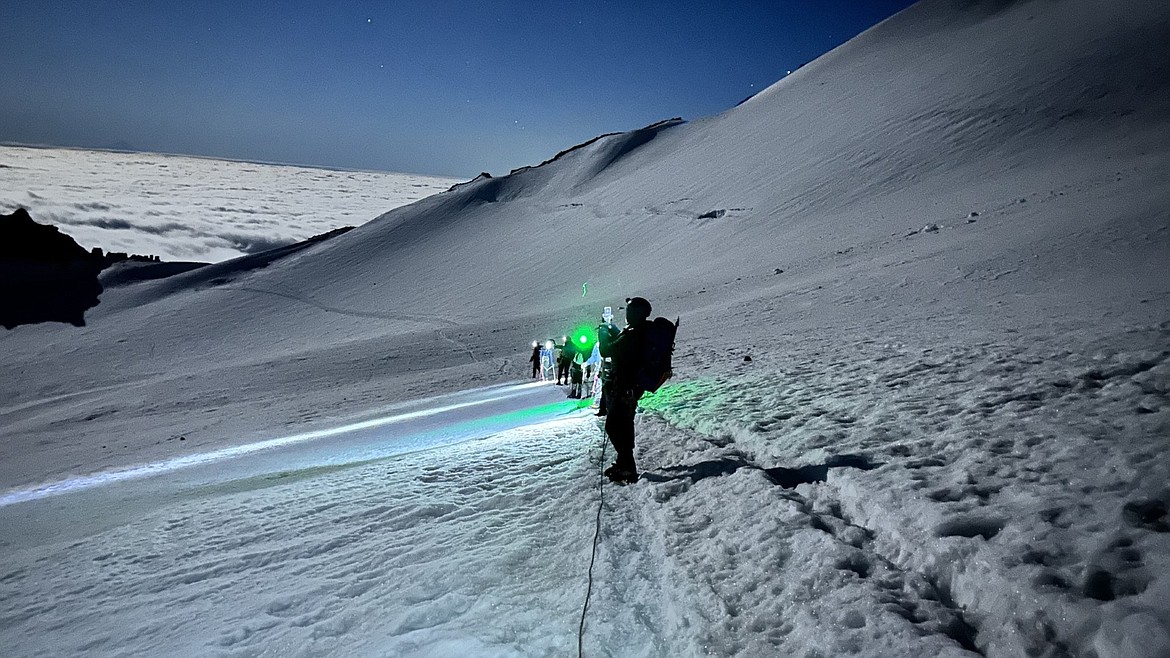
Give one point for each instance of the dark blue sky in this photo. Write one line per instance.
(428, 86)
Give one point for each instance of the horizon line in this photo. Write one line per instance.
(270, 163)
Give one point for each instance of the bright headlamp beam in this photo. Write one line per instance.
(78, 483)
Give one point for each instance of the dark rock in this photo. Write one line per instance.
(25, 239)
(44, 275)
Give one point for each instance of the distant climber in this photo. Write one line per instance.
(565, 360)
(547, 364)
(558, 353)
(535, 360)
(575, 374)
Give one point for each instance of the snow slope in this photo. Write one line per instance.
(943, 244)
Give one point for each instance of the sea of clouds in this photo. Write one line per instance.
(183, 208)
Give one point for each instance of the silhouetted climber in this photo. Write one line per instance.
(566, 359)
(621, 389)
(535, 359)
(558, 354)
(575, 374)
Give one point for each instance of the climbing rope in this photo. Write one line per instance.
(593, 558)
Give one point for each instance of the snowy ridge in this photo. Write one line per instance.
(885, 117)
(943, 246)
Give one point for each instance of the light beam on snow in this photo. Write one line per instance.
(157, 468)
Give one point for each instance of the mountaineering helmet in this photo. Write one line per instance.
(637, 309)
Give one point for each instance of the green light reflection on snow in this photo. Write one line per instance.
(521, 417)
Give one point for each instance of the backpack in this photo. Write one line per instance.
(659, 345)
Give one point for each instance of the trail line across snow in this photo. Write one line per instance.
(471, 548)
(404, 427)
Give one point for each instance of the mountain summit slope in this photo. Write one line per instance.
(943, 109)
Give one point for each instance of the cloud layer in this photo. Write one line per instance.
(184, 208)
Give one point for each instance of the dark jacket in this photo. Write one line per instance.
(625, 350)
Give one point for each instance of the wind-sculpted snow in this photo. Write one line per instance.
(194, 209)
(1007, 494)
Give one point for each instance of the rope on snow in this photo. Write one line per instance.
(593, 558)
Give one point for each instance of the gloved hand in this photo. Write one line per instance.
(606, 333)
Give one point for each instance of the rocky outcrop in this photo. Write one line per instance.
(44, 275)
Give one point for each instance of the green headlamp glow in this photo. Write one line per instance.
(584, 337)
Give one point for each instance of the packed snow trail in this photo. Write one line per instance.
(973, 518)
(89, 503)
(473, 549)
(246, 536)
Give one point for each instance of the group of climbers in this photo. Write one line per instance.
(575, 360)
(575, 367)
(625, 363)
